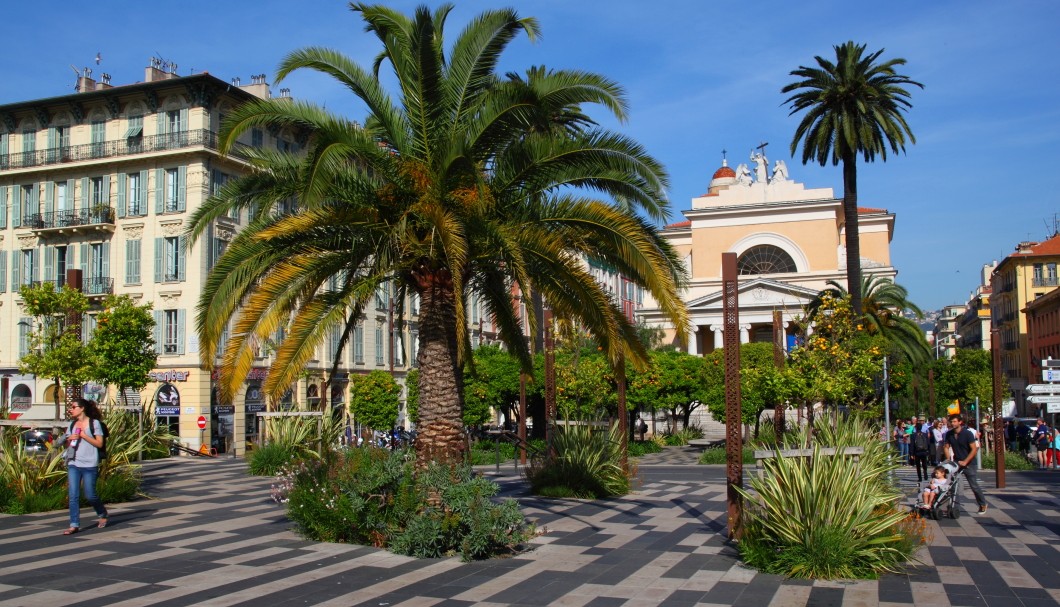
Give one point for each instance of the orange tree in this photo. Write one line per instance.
(673, 381)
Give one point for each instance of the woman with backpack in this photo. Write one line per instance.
(84, 442)
(921, 447)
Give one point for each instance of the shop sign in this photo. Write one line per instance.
(168, 395)
(161, 410)
(21, 403)
(168, 376)
(255, 407)
(224, 409)
(255, 374)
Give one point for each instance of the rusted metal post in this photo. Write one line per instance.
(623, 414)
(522, 419)
(999, 423)
(778, 360)
(550, 384)
(74, 280)
(733, 439)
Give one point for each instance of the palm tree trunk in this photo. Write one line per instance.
(439, 433)
(853, 238)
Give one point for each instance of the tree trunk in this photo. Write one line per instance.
(853, 238)
(440, 431)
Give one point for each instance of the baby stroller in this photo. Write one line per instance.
(946, 503)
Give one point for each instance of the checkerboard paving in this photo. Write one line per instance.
(210, 536)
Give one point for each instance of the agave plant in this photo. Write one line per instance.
(24, 474)
(307, 436)
(586, 462)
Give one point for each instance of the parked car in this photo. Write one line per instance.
(37, 440)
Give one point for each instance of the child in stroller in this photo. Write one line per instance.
(940, 497)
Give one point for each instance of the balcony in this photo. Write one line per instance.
(1045, 281)
(112, 149)
(92, 286)
(98, 217)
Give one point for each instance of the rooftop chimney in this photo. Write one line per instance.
(85, 83)
(257, 87)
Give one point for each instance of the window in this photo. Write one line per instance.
(358, 344)
(257, 138)
(170, 190)
(132, 262)
(29, 141)
(170, 265)
(24, 327)
(29, 201)
(62, 203)
(217, 181)
(765, 259)
(414, 347)
(379, 345)
(58, 143)
(98, 137)
(169, 331)
(381, 299)
(100, 191)
(136, 194)
(173, 122)
(24, 268)
(5, 142)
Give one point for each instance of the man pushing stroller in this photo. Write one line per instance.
(961, 446)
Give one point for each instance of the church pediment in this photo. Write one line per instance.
(758, 293)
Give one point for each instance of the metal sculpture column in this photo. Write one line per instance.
(74, 280)
(778, 361)
(999, 422)
(550, 385)
(733, 444)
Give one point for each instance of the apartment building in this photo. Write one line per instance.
(105, 180)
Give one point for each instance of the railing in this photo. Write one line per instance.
(91, 286)
(1045, 281)
(98, 215)
(110, 149)
(1011, 345)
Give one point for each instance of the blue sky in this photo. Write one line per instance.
(701, 77)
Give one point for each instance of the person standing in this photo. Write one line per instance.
(921, 446)
(938, 433)
(899, 439)
(1042, 440)
(84, 440)
(961, 446)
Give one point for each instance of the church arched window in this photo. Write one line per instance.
(765, 259)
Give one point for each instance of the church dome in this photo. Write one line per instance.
(723, 178)
(724, 171)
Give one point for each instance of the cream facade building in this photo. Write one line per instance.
(789, 240)
(105, 181)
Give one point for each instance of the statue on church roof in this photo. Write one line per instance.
(743, 175)
(780, 172)
(761, 166)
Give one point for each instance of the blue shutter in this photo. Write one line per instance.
(122, 184)
(159, 318)
(3, 205)
(49, 200)
(3, 271)
(86, 255)
(34, 199)
(159, 258)
(49, 262)
(180, 331)
(160, 126)
(34, 256)
(105, 195)
(184, 119)
(182, 258)
(106, 260)
(51, 138)
(132, 261)
(182, 179)
(85, 198)
(143, 193)
(16, 269)
(160, 190)
(16, 206)
(69, 202)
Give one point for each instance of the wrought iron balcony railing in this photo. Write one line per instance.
(110, 149)
(91, 286)
(1046, 281)
(96, 215)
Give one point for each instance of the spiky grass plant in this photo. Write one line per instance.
(587, 463)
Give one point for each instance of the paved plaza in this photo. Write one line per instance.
(210, 535)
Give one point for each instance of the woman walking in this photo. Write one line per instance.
(83, 444)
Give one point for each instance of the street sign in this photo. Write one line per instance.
(1049, 375)
(202, 422)
(1051, 363)
(1052, 408)
(1043, 389)
(1044, 399)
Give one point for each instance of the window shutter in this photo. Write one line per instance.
(51, 138)
(184, 119)
(182, 178)
(34, 261)
(132, 261)
(16, 269)
(16, 206)
(160, 190)
(49, 199)
(182, 257)
(143, 193)
(106, 260)
(49, 262)
(123, 181)
(160, 127)
(3, 271)
(158, 331)
(69, 202)
(24, 326)
(159, 254)
(34, 199)
(3, 205)
(180, 331)
(86, 255)
(105, 195)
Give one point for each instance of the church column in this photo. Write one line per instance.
(719, 340)
(745, 333)
(693, 341)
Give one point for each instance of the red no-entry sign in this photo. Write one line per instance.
(202, 422)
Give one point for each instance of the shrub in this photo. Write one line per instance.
(717, 455)
(828, 516)
(270, 458)
(485, 452)
(587, 462)
(371, 496)
(639, 448)
(1013, 461)
(681, 437)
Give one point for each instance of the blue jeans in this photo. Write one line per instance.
(903, 452)
(74, 477)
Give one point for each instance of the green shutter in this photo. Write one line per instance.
(182, 258)
(180, 331)
(122, 184)
(85, 197)
(16, 206)
(106, 260)
(16, 269)
(132, 261)
(184, 119)
(160, 127)
(159, 258)
(51, 138)
(35, 264)
(182, 178)
(49, 200)
(143, 193)
(49, 262)
(69, 202)
(34, 199)
(105, 198)
(159, 318)
(3, 271)
(3, 205)
(160, 190)
(86, 255)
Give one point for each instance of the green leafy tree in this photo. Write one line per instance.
(123, 345)
(674, 382)
(374, 400)
(854, 106)
(761, 384)
(969, 375)
(56, 349)
(585, 386)
(491, 384)
(463, 182)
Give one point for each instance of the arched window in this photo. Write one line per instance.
(765, 259)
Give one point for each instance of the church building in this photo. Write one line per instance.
(789, 242)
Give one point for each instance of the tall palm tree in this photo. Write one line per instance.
(853, 107)
(885, 303)
(458, 184)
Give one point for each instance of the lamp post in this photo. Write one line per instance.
(952, 339)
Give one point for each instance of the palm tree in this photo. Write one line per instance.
(853, 107)
(885, 303)
(464, 183)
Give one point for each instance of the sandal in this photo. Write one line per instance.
(102, 522)
(71, 530)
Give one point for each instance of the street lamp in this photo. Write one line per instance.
(953, 339)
